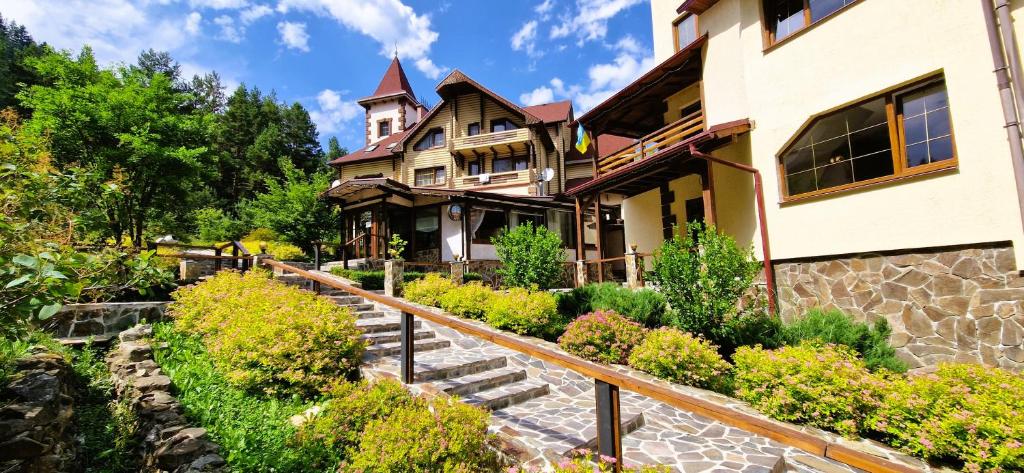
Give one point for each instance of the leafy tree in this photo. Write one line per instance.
(127, 128)
(15, 46)
(152, 62)
(530, 256)
(334, 149)
(293, 209)
(208, 93)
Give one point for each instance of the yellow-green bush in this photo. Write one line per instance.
(469, 300)
(969, 413)
(278, 250)
(677, 356)
(261, 234)
(824, 386)
(262, 334)
(428, 291)
(586, 462)
(524, 312)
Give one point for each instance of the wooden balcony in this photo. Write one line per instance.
(511, 140)
(654, 143)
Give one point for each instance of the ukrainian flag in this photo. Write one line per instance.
(582, 140)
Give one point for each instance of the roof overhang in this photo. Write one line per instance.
(638, 108)
(696, 6)
(362, 189)
(672, 163)
(366, 101)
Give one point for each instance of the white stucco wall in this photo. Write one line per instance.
(451, 237)
(382, 111)
(861, 51)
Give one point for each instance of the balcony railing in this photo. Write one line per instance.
(487, 140)
(654, 143)
(511, 177)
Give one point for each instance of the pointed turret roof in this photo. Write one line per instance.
(392, 84)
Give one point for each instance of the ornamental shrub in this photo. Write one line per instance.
(372, 280)
(525, 312)
(677, 356)
(824, 386)
(260, 234)
(602, 336)
(428, 291)
(469, 300)
(643, 306)
(278, 250)
(263, 334)
(703, 278)
(833, 326)
(587, 463)
(530, 256)
(444, 436)
(962, 412)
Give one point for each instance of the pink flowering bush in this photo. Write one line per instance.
(584, 461)
(969, 413)
(602, 336)
(824, 386)
(262, 334)
(677, 356)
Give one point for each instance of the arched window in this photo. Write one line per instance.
(893, 135)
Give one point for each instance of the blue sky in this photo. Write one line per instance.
(327, 54)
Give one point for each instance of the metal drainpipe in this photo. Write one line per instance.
(762, 220)
(1006, 96)
(1012, 52)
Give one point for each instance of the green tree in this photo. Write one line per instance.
(334, 149)
(130, 129)
(293, 208)
(15, 46)
(530, 256)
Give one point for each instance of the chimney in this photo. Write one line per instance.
(421, 111)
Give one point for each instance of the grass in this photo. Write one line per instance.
(107, 426)
(252, 429)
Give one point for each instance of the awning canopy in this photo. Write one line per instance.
(358, 190)
(672, 163)
(362, 189)
(639, 108)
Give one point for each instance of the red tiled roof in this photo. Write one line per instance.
(379, 150)
(394, 82)
(551, 112)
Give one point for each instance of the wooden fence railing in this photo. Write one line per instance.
(240, 258)
(654, 143)
(607, 383)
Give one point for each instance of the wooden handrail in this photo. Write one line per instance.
(198, 256)
(779, 432)
(652, 143)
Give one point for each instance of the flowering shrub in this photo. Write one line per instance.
(444, 436)
(469, 300)
(524, 312)
(586, 463)
(965, 412)
(602, 336)
(264, 334)
(428, 291)
(823, 386)
(679, 357)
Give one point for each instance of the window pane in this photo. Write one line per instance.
(926, 125)
(866, 115)
(502, 165)
(427, 226)
(835, 175)
(522, 164)
(941, 149)
(870, 140)
(917, 154)
(686, 31)
(822, 8)
(915, 129)
(831, 151)
(801, 159)
(788, 16)
(829, 127)
(938, 123)
(800, 183)
(872, 166)
(486, 224)
(439, 177)
(474, 129)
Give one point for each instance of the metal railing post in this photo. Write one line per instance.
(217, 263)
(316, 264)
(609, 422)
(407, 347)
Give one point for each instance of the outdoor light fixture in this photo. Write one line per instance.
(455, 212)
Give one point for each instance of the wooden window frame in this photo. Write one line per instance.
(513, 160)
(429, 134)
(894, 116)
(768, 36)
(503, 120)
(675, 29)
(386, 121)
(479, 163)
(433, 170)
(469, 129)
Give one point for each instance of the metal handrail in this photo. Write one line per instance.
(607, 382)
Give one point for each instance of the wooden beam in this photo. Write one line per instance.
(599, 227)
(580, 249)
(707, 181)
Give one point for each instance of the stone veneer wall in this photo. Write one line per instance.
(35, 416)
(103, 318)
(962, 304)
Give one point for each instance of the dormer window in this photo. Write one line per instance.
(434, 138)
(383, 128)
(502, 124)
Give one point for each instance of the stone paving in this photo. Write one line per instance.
(541, 411)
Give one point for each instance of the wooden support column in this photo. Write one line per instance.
(581, 251)
(467, 231)
(407, 329)
(707, 182)
(609, 422)
(599, 230)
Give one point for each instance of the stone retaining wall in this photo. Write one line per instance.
(35, 417)
(951, 304)
(168, 443)
(103, 318)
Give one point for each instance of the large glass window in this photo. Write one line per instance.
(428, 228)
(521, 218)
(486, 223)
(474, 167)
(473, 129)
(685, 30)
(562, 224)
(434, 138)
(514, 163)
(430, 176)
(892, 135)
(502, 124)
(785, 17)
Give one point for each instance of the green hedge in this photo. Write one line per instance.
(373, 280)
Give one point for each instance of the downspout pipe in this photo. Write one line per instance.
(762, 219)
(1006, 96)
(1012, 52)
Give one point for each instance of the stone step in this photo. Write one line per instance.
(453, 364)
(394, 337)
(345, 300)
(96, 340)
(394, 349)
(557, 424)
(695, 451)
(370, 314)
(474, 383)
(384, 324)
(363, 307)
(504, 396)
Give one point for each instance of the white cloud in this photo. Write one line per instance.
(333, 111)
(526, 39)
(390, 23)
(254, 13)
(294, 35)
(218, 4)
(589, 19)
(228, 30)
(542, 94)
(192, 23)
(544, 8)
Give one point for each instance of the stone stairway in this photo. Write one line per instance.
(543, 411)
